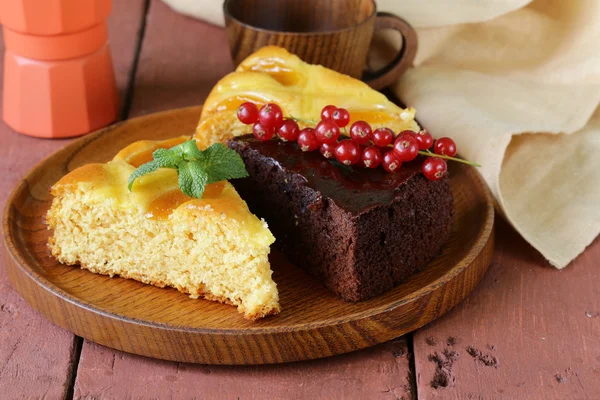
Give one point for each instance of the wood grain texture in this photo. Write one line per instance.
(537, 329)
(336, 34)
(181, 60)
(166, 324)
(108, 373)
(380, 372)
(36, 357)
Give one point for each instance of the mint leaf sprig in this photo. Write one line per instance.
(195, 168)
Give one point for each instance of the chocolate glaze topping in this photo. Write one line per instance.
(353, 189)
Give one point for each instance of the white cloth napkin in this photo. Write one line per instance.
(517, 85)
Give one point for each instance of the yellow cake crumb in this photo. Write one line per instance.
(212, 247)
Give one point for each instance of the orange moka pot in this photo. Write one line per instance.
(58, 75)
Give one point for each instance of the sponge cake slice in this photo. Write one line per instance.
(212, 247)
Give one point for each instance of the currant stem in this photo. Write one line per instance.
(427, 152)
(460, 160)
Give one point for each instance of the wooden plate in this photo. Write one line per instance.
(163, 323)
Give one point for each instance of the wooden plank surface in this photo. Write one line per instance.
(376, 373)
(36, 357)
(179, 75)
(528, 331)
(180, 61)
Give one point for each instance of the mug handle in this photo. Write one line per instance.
(405, 57)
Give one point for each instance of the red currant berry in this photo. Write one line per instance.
(434, 168)
(406, 147)
(348, 152)
(327, 132)
(424, 139)
(361, 132)
(328, 149)
(341, 117)
(371, 157)
(289, 131)
(408, 132)
(307, 140)
(327, 112)
(262, 133)
(247, 113)
(271, 116)
(389, 162)
(445, 146)
(383, 137)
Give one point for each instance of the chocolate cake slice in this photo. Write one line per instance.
(361, 231)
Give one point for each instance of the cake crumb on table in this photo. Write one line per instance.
(431, 341)
(443, 368)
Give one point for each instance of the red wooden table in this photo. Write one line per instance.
(528, 331)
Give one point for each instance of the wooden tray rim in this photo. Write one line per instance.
(10, 248)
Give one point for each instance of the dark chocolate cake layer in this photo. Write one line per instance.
(361, 231)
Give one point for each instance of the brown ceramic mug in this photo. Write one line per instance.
(334, 33)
